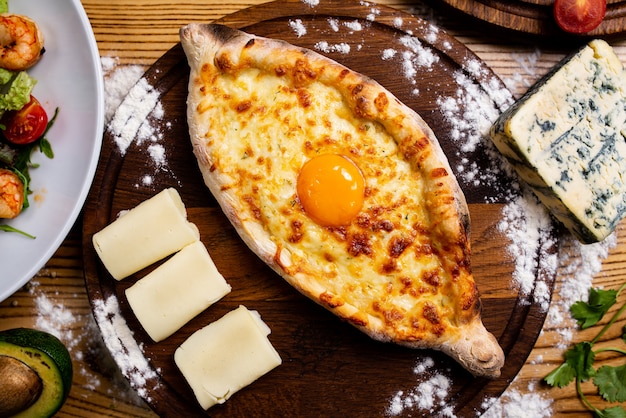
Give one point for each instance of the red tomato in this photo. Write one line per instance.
(579, 16)
(25, 125)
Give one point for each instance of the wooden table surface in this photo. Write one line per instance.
(137, 32)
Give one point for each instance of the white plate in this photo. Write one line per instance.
(69, 77)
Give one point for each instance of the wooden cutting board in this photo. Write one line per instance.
(534, 17)
(329, 368)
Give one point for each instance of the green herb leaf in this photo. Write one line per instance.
(46, 148)
(8, 228)
(590, 313)
(614, 412)
(7, 155)
(578, 364)
(611, 383)
(561, 376)
(581, 359)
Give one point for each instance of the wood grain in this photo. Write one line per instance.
(138, 32)
(534, 17)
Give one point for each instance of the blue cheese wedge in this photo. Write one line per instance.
(566, 139)
(226, 355)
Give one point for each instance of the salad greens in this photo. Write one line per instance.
(18, 160)
(15, 94)
(579, 360)
(15, 89)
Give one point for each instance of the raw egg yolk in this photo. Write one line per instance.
(331, 189)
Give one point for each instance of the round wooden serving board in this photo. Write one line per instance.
(535, 17)
(329, 368)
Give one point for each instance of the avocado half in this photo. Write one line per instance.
(46, 356)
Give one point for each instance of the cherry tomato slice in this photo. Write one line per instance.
(579, 16)
(25, 125)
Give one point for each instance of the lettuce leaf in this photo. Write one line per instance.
(15, 89)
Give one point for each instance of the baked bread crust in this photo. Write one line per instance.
(401, 271)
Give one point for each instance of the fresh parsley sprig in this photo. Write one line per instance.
(579, 360)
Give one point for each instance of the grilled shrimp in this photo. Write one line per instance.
(11, 194)
(21, 42)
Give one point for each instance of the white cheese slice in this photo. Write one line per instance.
(151, 231)
(176, 291)
(226, 355)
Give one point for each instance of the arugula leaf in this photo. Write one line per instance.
(8, 228)
(611, 383)
(590, 313)
(7, 154)
(18, 160)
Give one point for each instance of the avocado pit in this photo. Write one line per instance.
(21, 386)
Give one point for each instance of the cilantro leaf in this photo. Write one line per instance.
(614, 412)
(561, 376)
(578, 364)
(624, 333)
(611, 383)
(590, 313)
(581, 359)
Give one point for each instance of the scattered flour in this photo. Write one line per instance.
(120, 341)
(55, 319)
(416, 57)
(86, 342)
(298, 27)
(513, 404)
(324, 46)
(527, 73)
(132, 114)
(427, 395)
(388, 54)
(135, 115)
(117, 84)
(334, 24)
(528, 226)
(354, 25)
(578, 265)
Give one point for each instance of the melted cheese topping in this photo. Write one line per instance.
(391, 261)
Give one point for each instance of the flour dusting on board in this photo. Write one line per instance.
(120, 341)
(83, 343)
(429, 395)
(135, 117)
